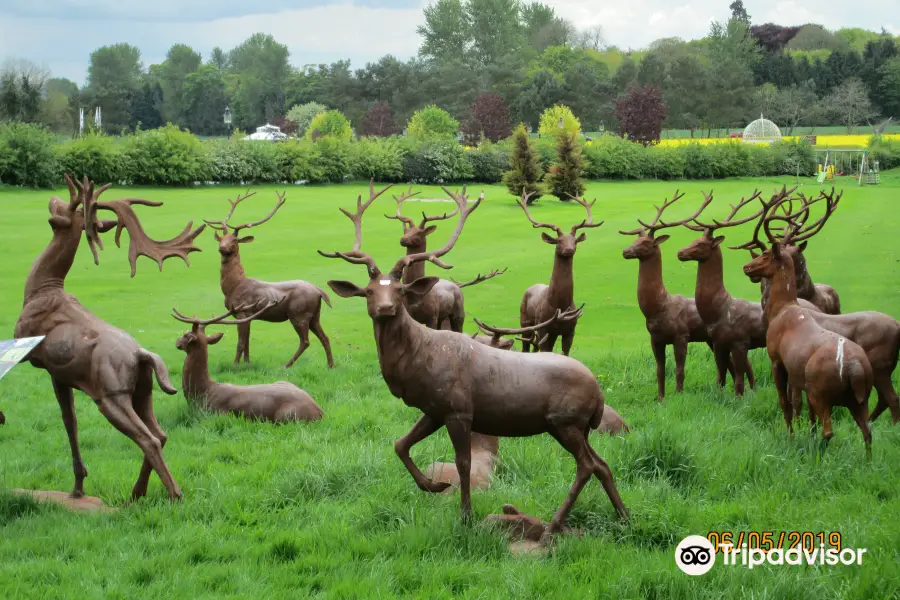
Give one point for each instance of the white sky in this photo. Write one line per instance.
(61, 34)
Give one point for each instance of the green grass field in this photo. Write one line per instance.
(327, 510)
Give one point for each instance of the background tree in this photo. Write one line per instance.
(888, 89)
(261, 65)
(794, 105)
(771, 37)
(849, 104)
(445, 31)
(489, 118)
(303, 114)
(114, 78)
(550, 122)
(181, 61)
(146, 106)
(21, 90)
(56, 110)
(525, 170)
(379, 121)
(641, 114)
(203, 101)
(733, 54)
(565, 176)
(331, 123)
(432, 122)
(542, 89)
(590, 38)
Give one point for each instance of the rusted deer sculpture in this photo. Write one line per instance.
(832, 369)
(541, 301)
(302, 308)
(469, 387)
(672, 319)
(82, 352)
(876, 333)
(444, 306)
(277, 402)
(735, 325)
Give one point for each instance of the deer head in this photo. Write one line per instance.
(702, 248)
(385, 292)
(229, 240)
(414, 235)
(647, 244)
(197, 337)
(566, 243)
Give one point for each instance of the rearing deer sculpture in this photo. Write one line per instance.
(672, 319)
(303, 304)
(82, 352)
(541, 301)
(469, 387)
(444, 306)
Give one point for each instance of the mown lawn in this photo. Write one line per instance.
(327, 510)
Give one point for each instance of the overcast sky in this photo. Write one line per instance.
(61, 34)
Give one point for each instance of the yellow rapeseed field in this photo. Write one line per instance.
(822, 141)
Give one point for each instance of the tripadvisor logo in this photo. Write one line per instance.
(695, 555)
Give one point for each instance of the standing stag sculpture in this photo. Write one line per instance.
(541, 301)
(303, 300)
(469, 387)
(672, 319)
(277, 402)
(831, 369)
(82, 352)
(444, 306)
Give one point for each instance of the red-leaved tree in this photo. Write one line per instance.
(489, 117)
(286, 125)
(641, 114)
(379, 121)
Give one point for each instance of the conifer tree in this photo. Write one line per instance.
(564, 179)
(525, 167)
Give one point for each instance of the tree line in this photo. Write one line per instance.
(522, 54)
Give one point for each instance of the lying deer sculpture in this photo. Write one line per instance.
(672, 319)
(275, 402)
(735, 325)
(82, 352)
(444, 306)
(541, 301)
(876, 333)
(304, 300)
(469, 387)
(832, 369)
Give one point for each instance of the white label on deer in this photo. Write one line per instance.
(385, 282)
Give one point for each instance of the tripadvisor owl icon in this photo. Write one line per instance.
(695, 555)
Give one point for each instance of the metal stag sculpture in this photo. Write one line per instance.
(541, 301)
(444, 306)
(82, 352)
(275, 402)
(469, 387)
(303, 305)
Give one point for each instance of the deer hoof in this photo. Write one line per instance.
(434, 487)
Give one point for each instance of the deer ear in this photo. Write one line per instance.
(214, 338)
(801, 246)
(549, 239)
(346, 289)
(580, 238)
(659, 240)
(244, 240)
(718, 240)
(217, 236)
(429, 230)
(506, 344)
(420, 286)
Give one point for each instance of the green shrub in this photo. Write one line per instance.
(331, 123)
(95, 156)
(663, 163)
(166, 156)
(432, 123)
(549, 123)
(298, 161)
(333, 160)
(227, 161)
(525, 168)
(27, 156)
(564, 177)
(437, 161)
(788, 155)
(489, 162)
(611, 157)
(381, 158)
(886, 152)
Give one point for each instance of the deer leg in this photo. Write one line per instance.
(460, 430)
(681, 348)
(748, 370)
(723, 364)
(66, 399)
(143, 407)
(118, 411)
(316, 327)
(887, 398)
(567, 342)
(526, 343)
(825, 410)
(549, 344)
(779, 374)
(729, 366)
(659, 353)
(861, 416)
(302, 329)
(574, 441)
(243, 331)
(739, 358)
(604, 474)
(247, 343)
(424, 427)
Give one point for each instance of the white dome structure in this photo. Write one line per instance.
(762, 131)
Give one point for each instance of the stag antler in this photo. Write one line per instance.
(407, 222)
(569, 315)
(655, 226)
(776, 199)
(199, 324)
(793, 233)
(479, 278)
(356, 256)
(223, 224)
(434, 256)
(589, 222)
(86, 196)
(523, 202)
(727, 221)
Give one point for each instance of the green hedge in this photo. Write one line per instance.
(31, 156)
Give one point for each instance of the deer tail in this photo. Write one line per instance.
(324, 296)
(860, 383)
(159, 369)
(597, 417)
